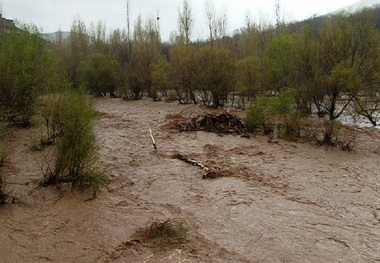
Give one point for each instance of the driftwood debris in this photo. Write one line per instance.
(222, 123)
(208, 173)
(153, 140)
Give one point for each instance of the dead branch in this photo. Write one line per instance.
(208, 173)
(223, 123)
(153, 140)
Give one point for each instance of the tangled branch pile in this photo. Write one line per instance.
(225, 123)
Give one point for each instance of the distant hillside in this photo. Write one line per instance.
(316, 22)
(6, 25)
(358, 6)
(53, 37)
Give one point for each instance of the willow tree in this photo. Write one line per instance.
(248, 77)
(98, 37)
(27, 70)
(78, 50)
(146, 52)
(305, 79)
(217, 23)
(100, 73)
(185, 66)
(216, 66)
(185, 22)
(348, 60)
(279, 63)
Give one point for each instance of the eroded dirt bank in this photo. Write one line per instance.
(285, 202)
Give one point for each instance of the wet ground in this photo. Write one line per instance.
(276, 202)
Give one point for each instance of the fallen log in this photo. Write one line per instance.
(208, 173)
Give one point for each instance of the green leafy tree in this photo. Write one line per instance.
(27, 70)
(183, 59)
(348, 60)
(161, 77)
(305, 79)
(217, 68)
(248, 76)
(279, 62)
(101, 74)
(146, 52)
(77, 50)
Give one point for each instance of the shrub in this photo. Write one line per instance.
(101, 74)
(284, 107)
(27, 69)
(259, 114)
(76, 153)
(334, 135)
(51, 112)
(170, 231)
(279, 111)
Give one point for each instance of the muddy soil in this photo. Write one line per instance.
(275, 202)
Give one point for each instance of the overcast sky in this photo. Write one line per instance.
(51, 15)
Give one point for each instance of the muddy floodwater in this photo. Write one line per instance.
(276, 202)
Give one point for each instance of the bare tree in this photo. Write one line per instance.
(221, 24)
(98, 37)
(185, 22)
(277, 12)
(217, 24)
(210, 15)
(129, 38)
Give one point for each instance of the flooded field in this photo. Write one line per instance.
(276, 202)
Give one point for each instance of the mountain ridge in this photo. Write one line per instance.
(358, 6)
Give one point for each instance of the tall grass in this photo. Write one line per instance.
(76, 154)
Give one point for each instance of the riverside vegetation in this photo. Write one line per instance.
(280, 74)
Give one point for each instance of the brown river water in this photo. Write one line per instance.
(276, 202)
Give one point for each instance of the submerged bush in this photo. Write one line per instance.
(51, 112)
(171, 231)
(277, 112)
(260, 115)
(76, 153)
(335, 135)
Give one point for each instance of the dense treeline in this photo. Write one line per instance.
(329, 69)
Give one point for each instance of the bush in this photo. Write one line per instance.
(51, 112)
(27, 69)
(334, 135)
(260, 115)
(101, 74)
(285, 109)
(171, 231)
(76, 153)
(280, 111)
